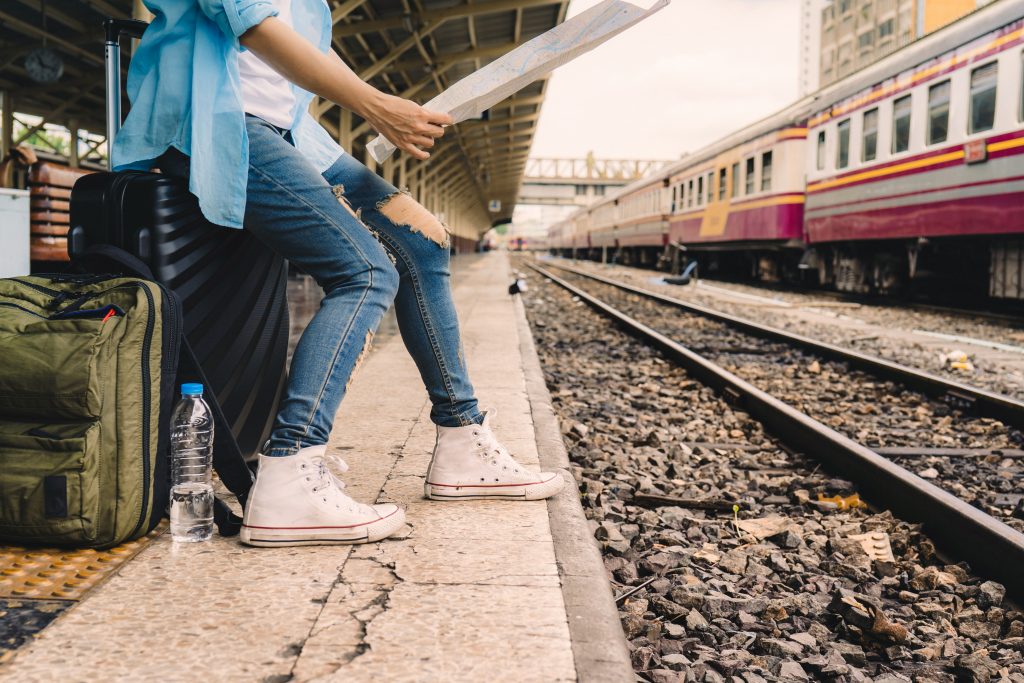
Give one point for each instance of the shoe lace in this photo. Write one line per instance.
(489, 448)
(327, 482)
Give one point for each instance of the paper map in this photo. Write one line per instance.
(488, 86)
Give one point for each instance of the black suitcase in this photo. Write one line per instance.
(232, 288)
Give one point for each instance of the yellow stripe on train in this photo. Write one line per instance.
(918, 77)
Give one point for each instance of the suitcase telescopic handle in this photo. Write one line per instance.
(114, 29)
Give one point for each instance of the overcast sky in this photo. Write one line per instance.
(695, 71)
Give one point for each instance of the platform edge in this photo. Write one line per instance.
(599, 648)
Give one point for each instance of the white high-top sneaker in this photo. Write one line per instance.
(297, 500)
(470, 463)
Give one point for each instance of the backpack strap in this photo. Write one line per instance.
(228, 460)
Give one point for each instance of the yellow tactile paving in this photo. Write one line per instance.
(61, 574)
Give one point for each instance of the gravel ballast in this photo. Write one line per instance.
(880, 329)
(876, 413)
(784, 587)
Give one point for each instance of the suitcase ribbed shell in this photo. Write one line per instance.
(232, 287)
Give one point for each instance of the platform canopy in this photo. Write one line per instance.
(412, 48)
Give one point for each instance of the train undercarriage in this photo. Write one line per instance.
(958, 268)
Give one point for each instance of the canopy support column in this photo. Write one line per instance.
(7, 126)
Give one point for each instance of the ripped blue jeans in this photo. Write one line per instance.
(367, 245)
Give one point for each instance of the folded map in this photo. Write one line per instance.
(486, 87)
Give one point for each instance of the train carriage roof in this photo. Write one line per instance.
(946, 39)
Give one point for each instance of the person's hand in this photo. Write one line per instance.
(408, 126)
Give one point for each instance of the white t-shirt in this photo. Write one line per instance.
(266, 93)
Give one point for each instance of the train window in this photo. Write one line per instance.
(675, 196)
(869, 148)
(843, 148)
(901, 125)
(722, 181)
(820, 163)
(689, 193)
(766, 171)
(749, 184)
(711, 191)
(983, 98)
(736, 179)
(938, 112)
(700, 190)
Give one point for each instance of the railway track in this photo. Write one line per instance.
(804, 392)
(923, 339)
(989, 403)
(1011, 314)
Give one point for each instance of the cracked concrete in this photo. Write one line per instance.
(470, 590)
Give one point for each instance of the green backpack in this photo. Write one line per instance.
(88, 371)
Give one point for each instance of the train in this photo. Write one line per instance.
(907, 172)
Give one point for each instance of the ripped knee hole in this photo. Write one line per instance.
(401, 209)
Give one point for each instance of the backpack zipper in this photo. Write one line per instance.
(171, 337)
(146, 400)
(22, 308)
(60, 297)
(38, 288)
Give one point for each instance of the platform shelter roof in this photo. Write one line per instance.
(413, 48)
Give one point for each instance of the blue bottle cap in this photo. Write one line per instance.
(192, 389)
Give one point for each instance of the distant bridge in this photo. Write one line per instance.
(578, 182)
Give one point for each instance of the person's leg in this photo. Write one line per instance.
(289, 207)
(419, 245)
(468, 461)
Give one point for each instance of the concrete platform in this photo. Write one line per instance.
(473, 591)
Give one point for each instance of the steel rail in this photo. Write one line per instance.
(993, 549)
(1017, 318)
(989, 403)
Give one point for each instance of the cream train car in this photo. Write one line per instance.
(911, 169)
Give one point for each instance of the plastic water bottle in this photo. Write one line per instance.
(191, 457)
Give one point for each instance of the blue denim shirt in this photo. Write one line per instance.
(184, 90)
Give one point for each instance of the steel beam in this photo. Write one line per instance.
(59, 16)
(106, 9)
(509, 121)
(30, 29)
(51, 115)
(6, 123)
(456, 12)
(399, 50)
(345, 136)
(452, 58)
(344, 9)
(73, 160)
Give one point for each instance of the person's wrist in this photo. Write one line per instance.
(371, 103)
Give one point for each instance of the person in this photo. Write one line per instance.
(219, 92)
(19, 160)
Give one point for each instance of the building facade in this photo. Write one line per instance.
(856, 33)
(810, 44)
